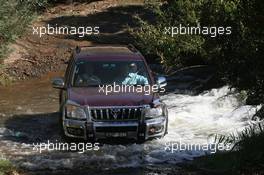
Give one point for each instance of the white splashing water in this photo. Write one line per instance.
(195, 120)
(192, 119)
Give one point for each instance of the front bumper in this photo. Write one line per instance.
(150, 128)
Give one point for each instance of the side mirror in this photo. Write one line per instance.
(161, 82)
(58, 83)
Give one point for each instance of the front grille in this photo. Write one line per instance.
(116, 114)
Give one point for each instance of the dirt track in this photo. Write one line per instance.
(34, 56)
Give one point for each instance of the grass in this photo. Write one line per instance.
(15, 16)
(247, 156)
(6, 167)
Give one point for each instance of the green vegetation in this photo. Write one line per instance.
(14, 17)
(6, 167)
(238, 56)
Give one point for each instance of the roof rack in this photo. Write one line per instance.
(131, 47)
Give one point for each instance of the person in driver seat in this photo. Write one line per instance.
(86, 76)
(133, 78)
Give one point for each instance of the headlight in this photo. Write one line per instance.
(75, 112)
(154, 112)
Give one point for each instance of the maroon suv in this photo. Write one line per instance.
(109, 91)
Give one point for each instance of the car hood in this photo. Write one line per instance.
(92, 97)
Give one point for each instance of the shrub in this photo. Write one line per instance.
(5, 167)
(238, 57)
(248, 146)
(15, 15)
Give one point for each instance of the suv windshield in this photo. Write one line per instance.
(95, 73)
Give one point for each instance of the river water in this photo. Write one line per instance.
(28, 112)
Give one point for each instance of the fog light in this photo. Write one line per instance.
(152, 130)
(155, 129)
